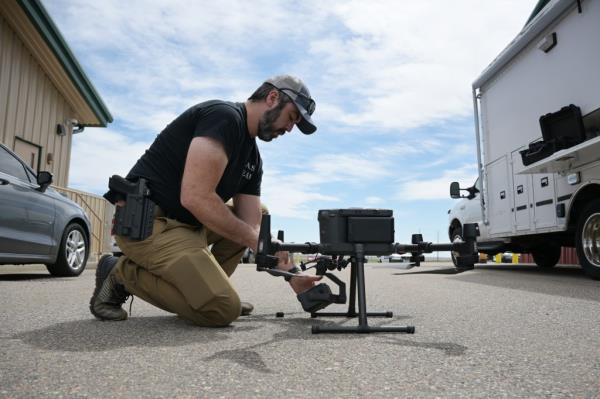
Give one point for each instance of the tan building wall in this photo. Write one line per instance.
(31, 107)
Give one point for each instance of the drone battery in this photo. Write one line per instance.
(370, 229)
(356, 225)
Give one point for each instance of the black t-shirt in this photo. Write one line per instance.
(163, 163)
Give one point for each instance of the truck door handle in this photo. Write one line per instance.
(4, 182)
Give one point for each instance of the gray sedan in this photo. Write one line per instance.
(37, 224)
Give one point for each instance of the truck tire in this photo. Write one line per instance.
(72, 254)
(587, 239)
(457, 236)
(546, 256)
(454, 236)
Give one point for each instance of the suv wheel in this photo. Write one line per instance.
(72, 254)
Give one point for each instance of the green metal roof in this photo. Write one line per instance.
(46, 28)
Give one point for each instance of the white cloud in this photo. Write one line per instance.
(373, 66)
(290, 196)
(97, 154)
(382, 64)
(437, 187)
(373, 200)
(410, 63)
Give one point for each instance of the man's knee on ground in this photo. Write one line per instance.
(220, 311)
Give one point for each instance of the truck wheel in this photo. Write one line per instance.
(587, 239)
(72, 254)
(546, 256)
(455, 236)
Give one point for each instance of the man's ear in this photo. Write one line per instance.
(272, 98)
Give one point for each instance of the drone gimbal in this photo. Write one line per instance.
(354, 232)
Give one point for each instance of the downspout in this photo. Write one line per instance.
(479, 162)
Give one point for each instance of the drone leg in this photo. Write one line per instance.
(352, 300)
(362, 300)
(363, 326)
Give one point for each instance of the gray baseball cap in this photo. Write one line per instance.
(295, 89)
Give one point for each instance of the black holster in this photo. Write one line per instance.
(136, 218)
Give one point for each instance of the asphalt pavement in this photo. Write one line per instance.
(498, 331)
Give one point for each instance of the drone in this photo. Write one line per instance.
(347, 236)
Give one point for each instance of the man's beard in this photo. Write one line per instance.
(265, 124)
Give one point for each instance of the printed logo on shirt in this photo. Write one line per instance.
(248, 171)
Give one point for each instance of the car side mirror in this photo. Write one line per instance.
(44, 179)
(454, 190)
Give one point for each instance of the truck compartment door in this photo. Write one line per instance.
(523, 198)
(544, 201)
(499, 197)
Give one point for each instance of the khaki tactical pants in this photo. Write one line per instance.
(175, 270)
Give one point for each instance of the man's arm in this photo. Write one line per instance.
(247, 208)
(204, 166)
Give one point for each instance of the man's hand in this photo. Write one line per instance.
(302, 282)
(284, 260)
(284, 257)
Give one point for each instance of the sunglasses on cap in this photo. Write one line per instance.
(306, 102)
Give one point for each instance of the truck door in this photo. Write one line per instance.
(543, 200)
(523, 198)
(499, 197)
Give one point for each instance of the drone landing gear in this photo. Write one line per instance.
(357, 280)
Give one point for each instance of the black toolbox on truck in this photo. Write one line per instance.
(560, 130)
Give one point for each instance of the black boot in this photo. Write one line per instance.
(108, 295)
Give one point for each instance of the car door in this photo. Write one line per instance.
(26, 215)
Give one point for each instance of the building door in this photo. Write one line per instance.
(29, 153)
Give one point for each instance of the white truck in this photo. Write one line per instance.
(532, 203)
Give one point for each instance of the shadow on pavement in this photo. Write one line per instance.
(93, 335)
(169, 331)
(449, 348)
(575, 271)
(451, 270)
(299, 328)
(564, 281)
(25, 276)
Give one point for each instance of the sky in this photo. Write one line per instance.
(391, 80)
